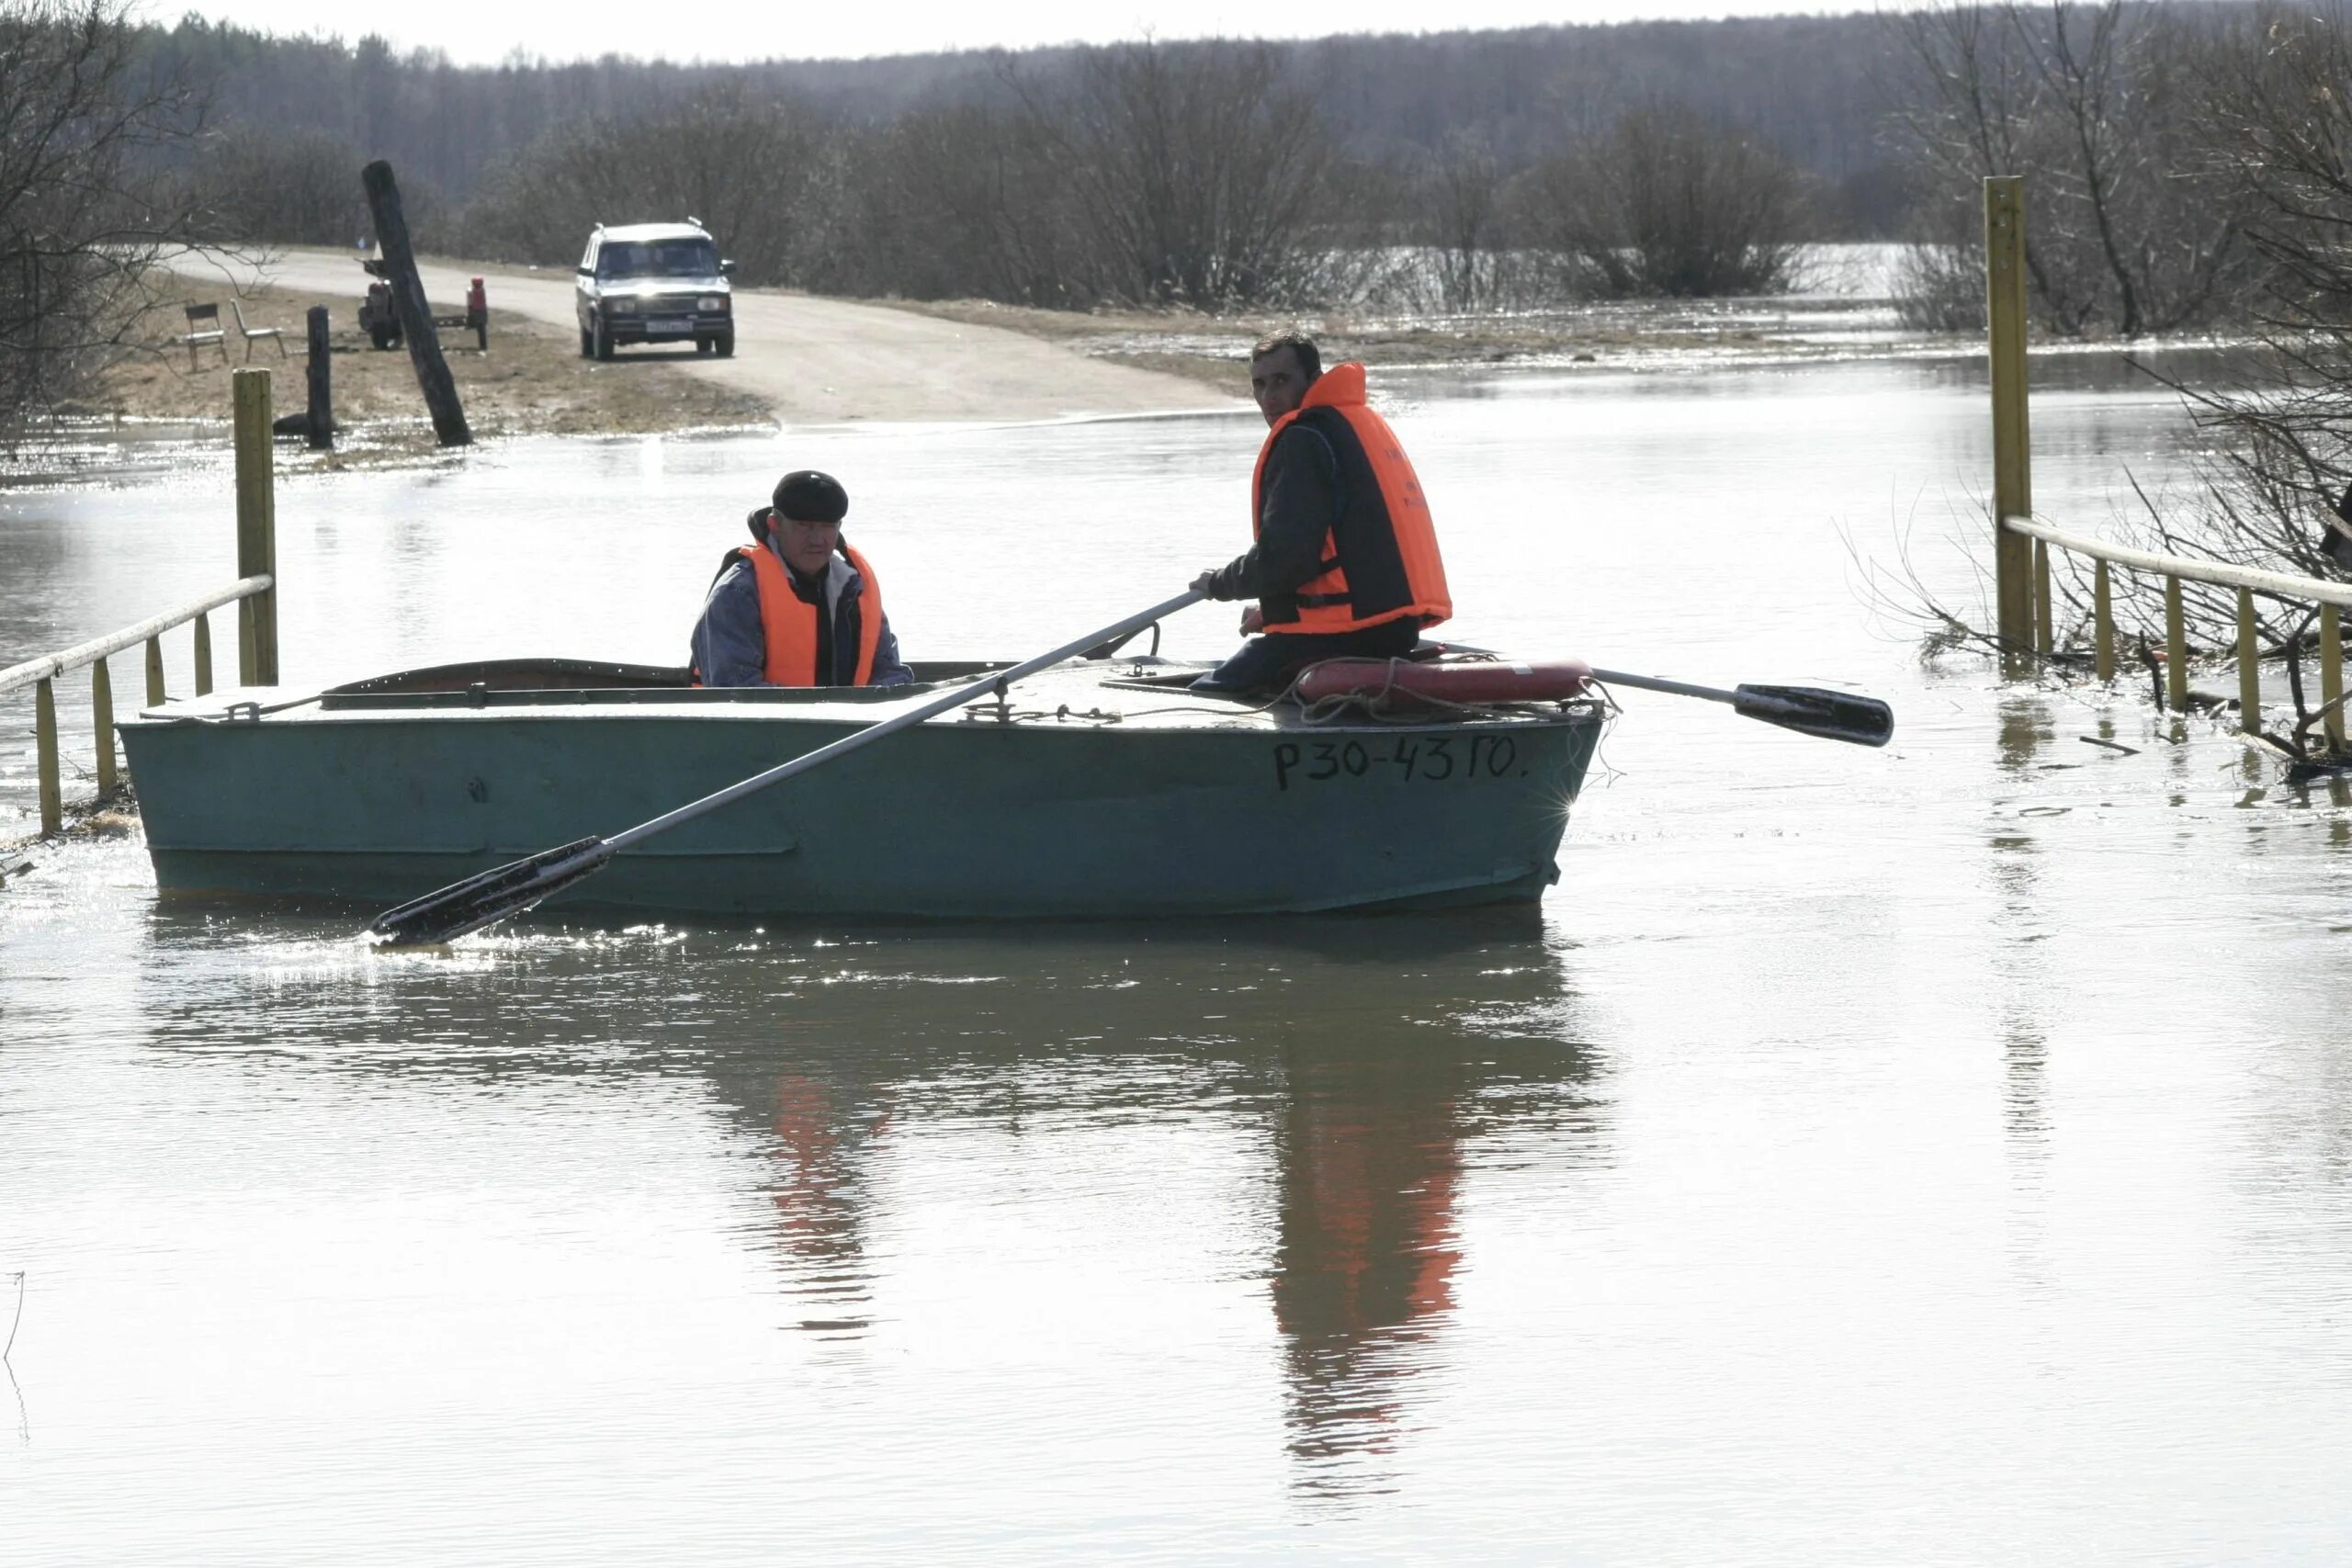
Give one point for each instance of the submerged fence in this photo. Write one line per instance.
(255, 593)
(2022, 543)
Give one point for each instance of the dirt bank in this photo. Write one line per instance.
(531, 380)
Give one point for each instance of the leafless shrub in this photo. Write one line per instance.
(2130, 230)
(85, 208)
(746, 166)
(299, 187)
(1667, 203)
(1199, 174)
(1938, 281)
(959, 201)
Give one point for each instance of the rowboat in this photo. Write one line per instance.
(1100, 787)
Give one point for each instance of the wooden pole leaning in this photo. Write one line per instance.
(52, 799)
(2176, 648)
(257, 529)
(2102, 624)
(155, 693)
(204, 656)
(409, 305)
(102, 720)
(2331, 672)
(2004, 299)
(2249, 670)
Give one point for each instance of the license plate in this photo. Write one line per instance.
(670, 324)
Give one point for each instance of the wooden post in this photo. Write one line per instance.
(155, 693)
(409, 305)
(257, 529)
(203, 656)
(52, 801)
(2330, 672)
(2044, 641)
(102, 720)
(2249, 672)
(2176, 647)
(2004, 298)
(319, 371)
(2102, 625)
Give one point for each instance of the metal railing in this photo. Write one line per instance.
(255, 593)
(2330, 597)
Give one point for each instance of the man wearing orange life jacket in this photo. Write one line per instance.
(799, 607)
(1346, 561)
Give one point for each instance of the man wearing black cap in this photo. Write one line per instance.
(799, 607)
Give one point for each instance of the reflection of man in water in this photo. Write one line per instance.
(1371, 1160)
(819, 1197)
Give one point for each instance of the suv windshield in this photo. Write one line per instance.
(659, 258)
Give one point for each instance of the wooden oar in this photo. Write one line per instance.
(510, 889)
(1808, 710)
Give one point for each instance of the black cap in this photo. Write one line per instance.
(808, 496)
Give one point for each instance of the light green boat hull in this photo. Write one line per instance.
(970, 819)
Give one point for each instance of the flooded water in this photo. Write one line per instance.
(1941, 1153)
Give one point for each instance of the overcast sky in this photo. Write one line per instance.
(474, 33)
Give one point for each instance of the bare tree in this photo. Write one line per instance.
(2276, 108)
(85, 207)
(2129, 232)
(1459, 201)
(1667, 203)
(297, 187)
(1199, 171)
(959, 201)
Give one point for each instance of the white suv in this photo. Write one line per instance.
(654, 283)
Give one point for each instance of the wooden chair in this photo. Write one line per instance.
(252, 333)
(203, 327)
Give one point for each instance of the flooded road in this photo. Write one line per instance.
(1935, 1155)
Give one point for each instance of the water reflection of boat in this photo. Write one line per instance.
(1379, 1068)
(1097, 788)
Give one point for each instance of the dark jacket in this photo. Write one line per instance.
(1299, 502)
(731, 648)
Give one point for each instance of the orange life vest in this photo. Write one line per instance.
(1380, 556)
(789, 622)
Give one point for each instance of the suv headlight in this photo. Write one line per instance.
(711, 302)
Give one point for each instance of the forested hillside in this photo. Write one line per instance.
(1810, 87)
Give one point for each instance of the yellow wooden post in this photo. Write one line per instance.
(2044, 641)
(155, 671)
(2102, 625)
(2004, 296)
(2331, 672)
(102, 720)
(52, 800)
(2176, 648)
(256, 528)
(2249, 673)
(203, 655)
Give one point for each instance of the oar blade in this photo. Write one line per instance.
(1809, 710)
(488, 898)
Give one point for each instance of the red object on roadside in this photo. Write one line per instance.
(1484, 681)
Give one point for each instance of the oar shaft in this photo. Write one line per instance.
(1673, 688)
(944, 702)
